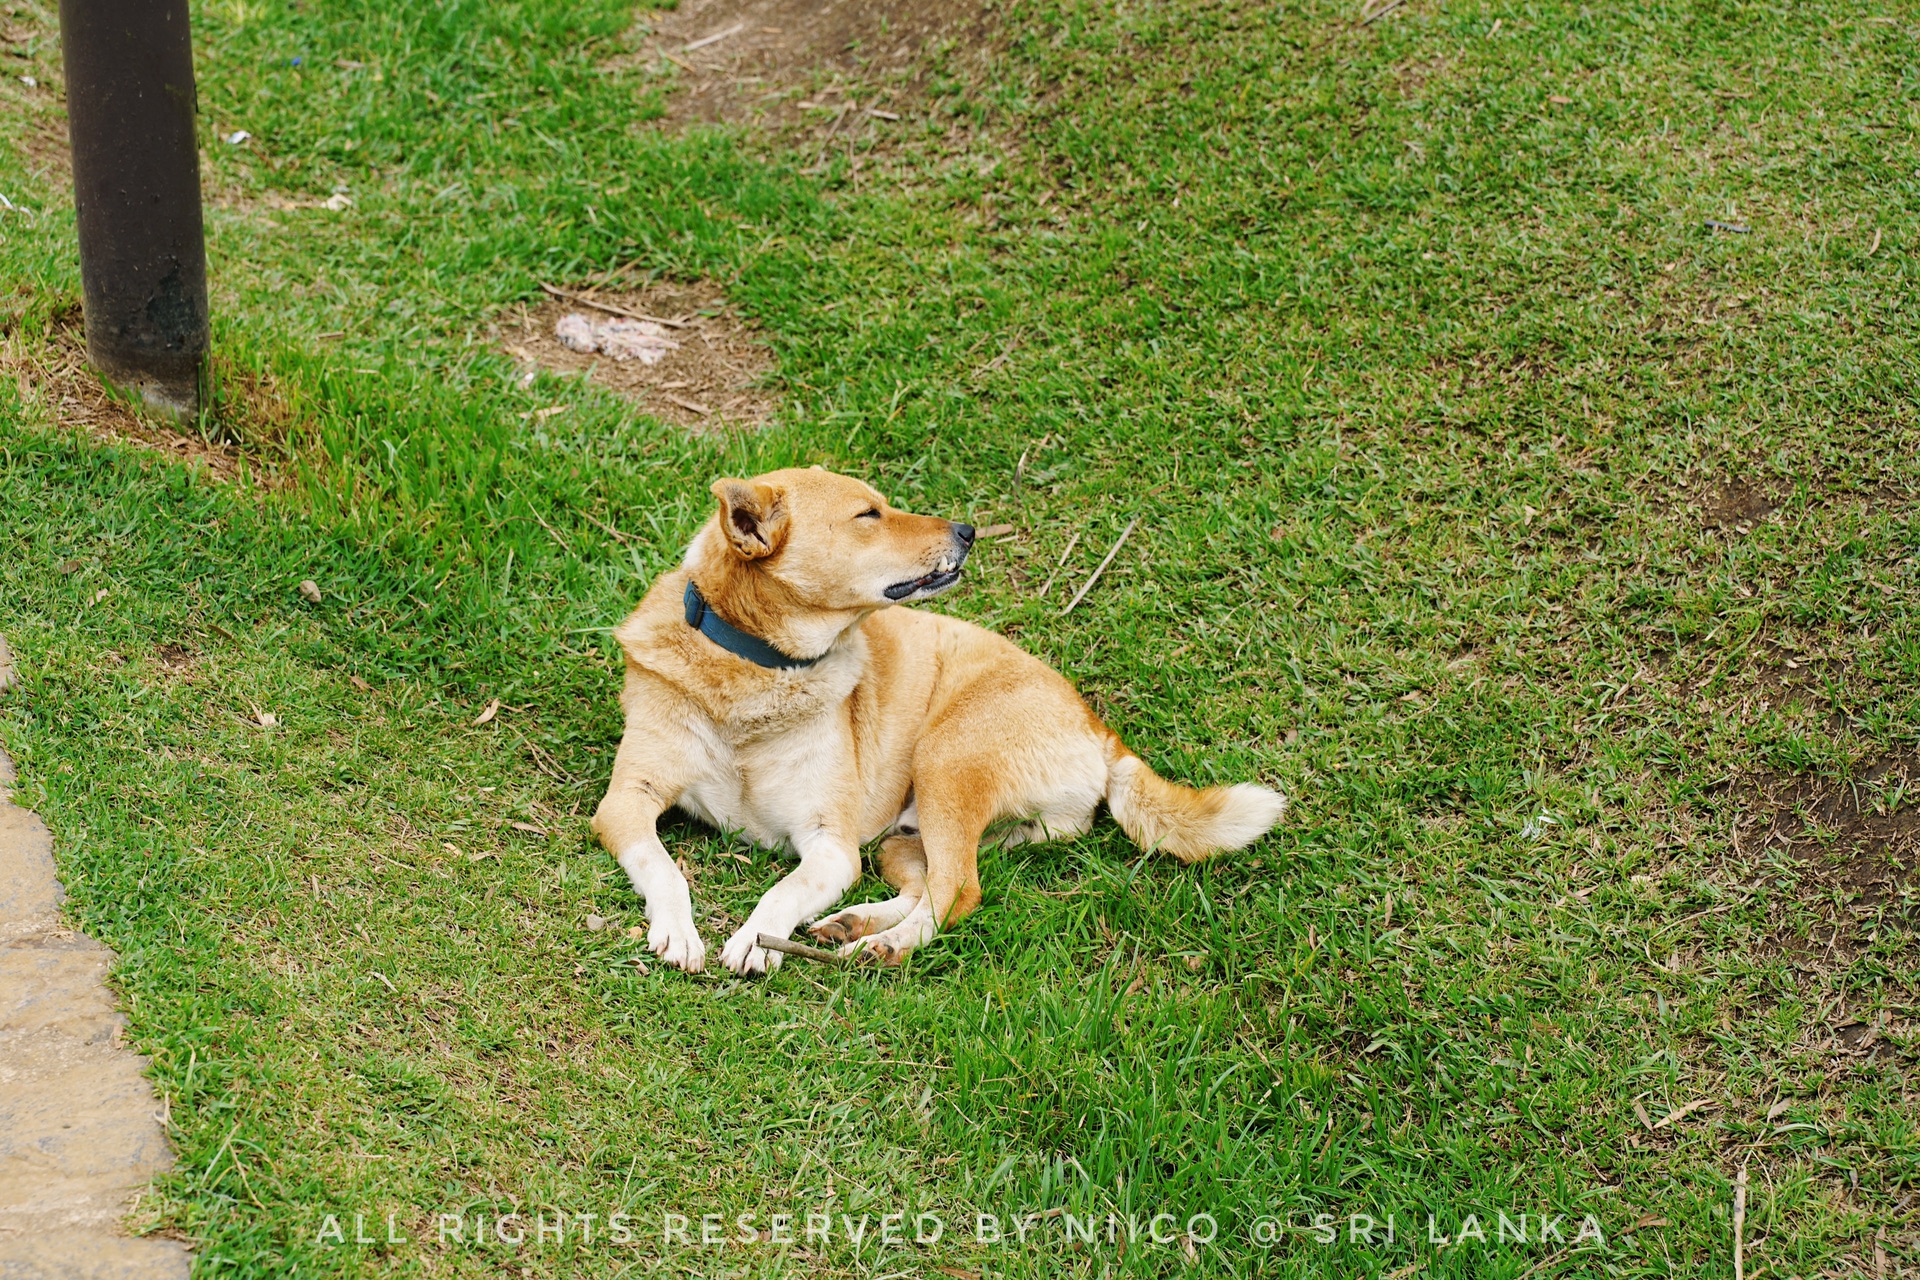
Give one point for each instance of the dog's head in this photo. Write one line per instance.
(794, 551)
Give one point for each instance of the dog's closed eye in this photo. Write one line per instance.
(871, 513)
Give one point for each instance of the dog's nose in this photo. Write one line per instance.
(964, 532)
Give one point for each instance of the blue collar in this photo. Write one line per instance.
(733, 639)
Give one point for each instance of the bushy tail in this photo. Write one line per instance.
(1190, 824)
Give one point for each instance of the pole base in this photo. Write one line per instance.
(176, 400)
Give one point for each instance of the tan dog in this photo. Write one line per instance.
(771, 689)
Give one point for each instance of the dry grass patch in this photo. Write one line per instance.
(251, 424)
(750, 61)
(712, 378)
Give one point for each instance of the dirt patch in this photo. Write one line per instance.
(176, 660)
(1860, 836)
(1737, 504)
(712, 379)
(251, 421)
(753, 60)
(1854, 845)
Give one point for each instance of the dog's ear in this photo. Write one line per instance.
(753, 516)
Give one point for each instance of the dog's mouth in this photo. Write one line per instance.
(938, 580)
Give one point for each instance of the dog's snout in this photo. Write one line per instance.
(964, 532)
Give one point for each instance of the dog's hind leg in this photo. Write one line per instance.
(955, 804)
(903, 864)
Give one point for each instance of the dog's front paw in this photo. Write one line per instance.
(678, 943)
(745, 956)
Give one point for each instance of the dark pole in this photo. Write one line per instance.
(136, 186)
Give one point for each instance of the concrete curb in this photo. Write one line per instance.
(80, 1134)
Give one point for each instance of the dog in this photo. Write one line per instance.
(774, 687)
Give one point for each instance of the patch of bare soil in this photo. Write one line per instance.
(1856, 844)
(1736, 504)
(750, 60)
(713, 377)
(250, 416)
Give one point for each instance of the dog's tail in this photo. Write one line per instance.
(1190, 824)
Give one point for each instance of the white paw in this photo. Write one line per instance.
(678, 943)
(745, 956)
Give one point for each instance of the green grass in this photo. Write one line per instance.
(1417, 380)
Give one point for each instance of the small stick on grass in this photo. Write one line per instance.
(787, 946)
(1060, 564)
(598, 305)
(1117, 543)
(604, 525)
(1740, 1225)
(715, 38)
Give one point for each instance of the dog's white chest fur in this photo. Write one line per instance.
(772, 789)
(775, 778)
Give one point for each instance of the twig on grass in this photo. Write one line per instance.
(827, 141)
(1740, 1225)
(1060, 564)
(715, 38)
(598, 305)
(787, 946)
(1364, 22)
(609, 528)
(1117, 543)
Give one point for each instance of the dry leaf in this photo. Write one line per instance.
(310, 591)
(529, 828)
(1680, 1113)
(1650, 1220)
(958, 1273)
(637, 932)
(1559, 101)
(493, 709)
(360, 684)
(995, 531)
(1774, 1112)
(265, 719)
(69, 566)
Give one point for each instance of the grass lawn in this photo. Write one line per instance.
(1554, 551)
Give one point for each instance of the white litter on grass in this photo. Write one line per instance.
(1536, 826)
(338, 201)
(615, 337)
(30, 82)
(237, 137)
